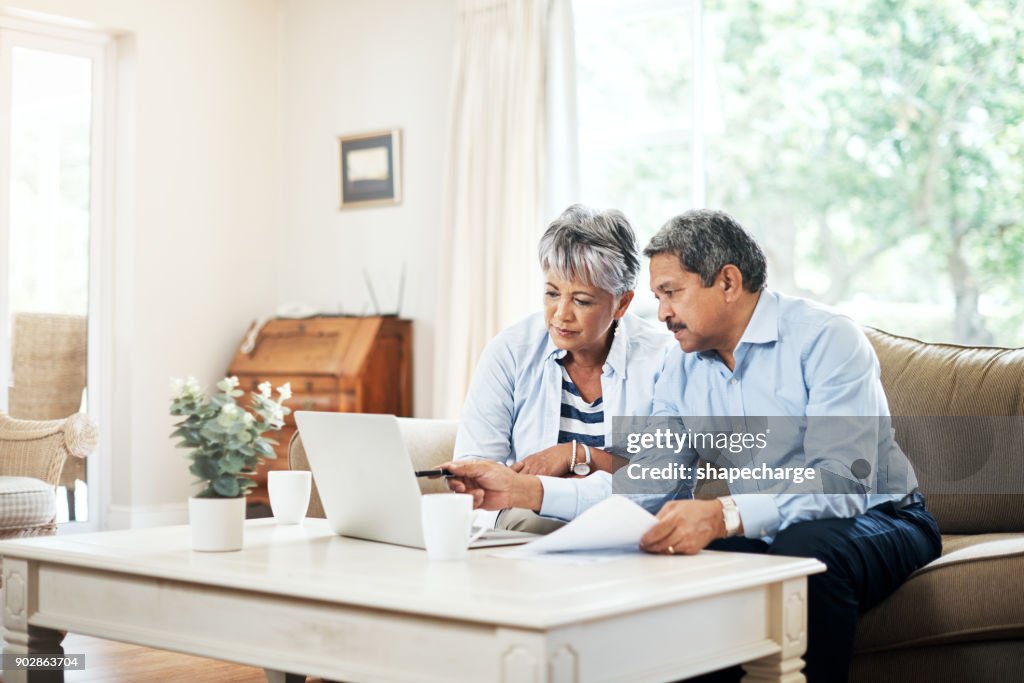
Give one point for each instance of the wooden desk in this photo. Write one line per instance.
(351, 365)
(301, 599)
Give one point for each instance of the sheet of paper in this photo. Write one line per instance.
(615, 522)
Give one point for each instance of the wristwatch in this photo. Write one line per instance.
(582, 469)
(730, 515)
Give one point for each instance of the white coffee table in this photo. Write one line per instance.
(301, 599)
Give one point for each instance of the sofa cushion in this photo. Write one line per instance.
(430, 443)
(26, 502)
(958, 412)
(973, 591)
(987, 660)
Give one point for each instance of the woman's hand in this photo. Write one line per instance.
(550, 462)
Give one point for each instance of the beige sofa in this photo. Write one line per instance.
(962, 617)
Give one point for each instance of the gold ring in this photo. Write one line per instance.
(671, 550)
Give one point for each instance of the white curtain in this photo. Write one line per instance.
(499, 193)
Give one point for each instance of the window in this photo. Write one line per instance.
(876, 150)
(52, 111)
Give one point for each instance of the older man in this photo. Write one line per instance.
(748, 352)
(755, 355)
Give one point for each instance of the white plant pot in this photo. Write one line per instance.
(216, 523)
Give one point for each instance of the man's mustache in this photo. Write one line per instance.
(674, 326)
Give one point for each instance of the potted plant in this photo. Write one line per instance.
(227, 444)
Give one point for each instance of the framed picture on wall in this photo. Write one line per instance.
(371, 169)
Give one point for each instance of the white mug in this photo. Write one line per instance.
(289, 494)
(447, 521)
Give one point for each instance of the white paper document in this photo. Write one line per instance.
(615, 522)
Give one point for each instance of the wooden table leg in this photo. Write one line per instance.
(282, 677)
(788, 617)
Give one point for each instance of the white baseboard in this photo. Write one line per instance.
(144, 516)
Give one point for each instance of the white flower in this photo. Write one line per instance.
(228, 415)
(247, 418)
(277, 416)
(285, 391)
(227, 384)
(266, 389)
(185, 388)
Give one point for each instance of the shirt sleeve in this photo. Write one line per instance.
(485, 427)
(846, 411)
(568, 498)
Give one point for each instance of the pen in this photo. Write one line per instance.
(438, 472)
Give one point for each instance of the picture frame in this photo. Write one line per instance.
(371, 168)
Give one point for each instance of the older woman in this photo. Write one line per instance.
(545, 390)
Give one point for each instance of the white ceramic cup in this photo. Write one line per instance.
(289, 494)
(447, 521)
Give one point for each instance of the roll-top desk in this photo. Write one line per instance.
(344, 364)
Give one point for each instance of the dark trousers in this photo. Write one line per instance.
(868, 557)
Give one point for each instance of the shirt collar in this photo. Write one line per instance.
(616, 355)
(763, 327)
(550, 350)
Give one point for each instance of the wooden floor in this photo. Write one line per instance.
(107, 661)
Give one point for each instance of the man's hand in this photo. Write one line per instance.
(494, 486)
(685, 527)
(551, 462)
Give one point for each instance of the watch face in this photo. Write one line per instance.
(582, 469)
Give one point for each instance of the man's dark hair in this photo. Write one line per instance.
(706, 240)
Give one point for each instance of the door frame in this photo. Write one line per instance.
(101, 48)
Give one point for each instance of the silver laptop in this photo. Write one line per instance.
(366, 480)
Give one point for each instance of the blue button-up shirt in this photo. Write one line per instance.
(796, 359)
(513, 407)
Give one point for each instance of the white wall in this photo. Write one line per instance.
(353, 66)
(228, 186)
(199, 215)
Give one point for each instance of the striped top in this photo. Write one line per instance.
(580, 420)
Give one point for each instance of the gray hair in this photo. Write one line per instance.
(598, 248)
(706, 240)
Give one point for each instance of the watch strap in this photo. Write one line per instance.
(730, 515)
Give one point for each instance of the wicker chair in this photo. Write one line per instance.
(49, 360)
(32, 456)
